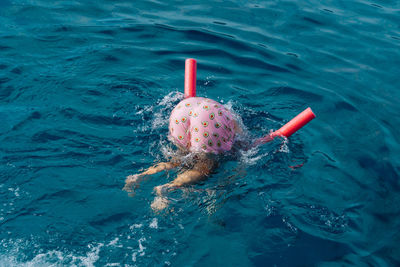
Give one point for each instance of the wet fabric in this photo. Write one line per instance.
(202, 125)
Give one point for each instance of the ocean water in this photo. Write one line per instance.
(86, 88)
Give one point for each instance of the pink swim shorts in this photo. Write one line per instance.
(202, 125)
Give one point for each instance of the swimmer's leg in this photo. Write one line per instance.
(137, 178)
(200, 172)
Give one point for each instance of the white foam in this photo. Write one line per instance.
(170, 98)
(140, 252)
(167, 150)
(289, 225)
(250, 156)
(91, 257)
(154, 223)
(49, 258)
(141, 247)
(284, 148)
(208, 80)
(145, 109)
(133, 226)
(113, 242)
(161, 117)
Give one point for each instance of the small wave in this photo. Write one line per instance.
(50, 258)
(161, 117)
(328, 222)
(251, 157)
(156, 116)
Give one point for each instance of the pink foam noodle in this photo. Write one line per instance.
(190, 77)
(289, 128)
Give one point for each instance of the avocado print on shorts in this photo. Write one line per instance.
(210, 142)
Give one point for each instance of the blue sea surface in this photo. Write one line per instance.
(86, 88)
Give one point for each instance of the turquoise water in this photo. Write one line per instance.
(85, 92)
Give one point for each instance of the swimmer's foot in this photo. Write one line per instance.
(161, 190)
(132, 181)
(159, 203)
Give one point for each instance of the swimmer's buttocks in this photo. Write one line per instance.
(202, 125)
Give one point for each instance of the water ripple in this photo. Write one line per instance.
(86, 89)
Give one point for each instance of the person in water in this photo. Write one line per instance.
(200, 126)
